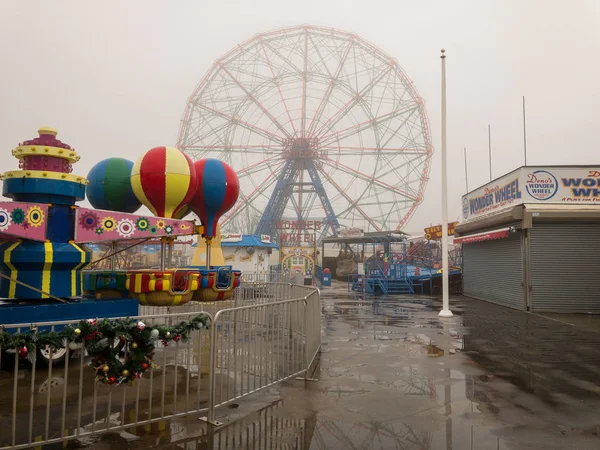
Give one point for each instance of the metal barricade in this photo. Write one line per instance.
(54, 404)
(256, 346)
(266, 277)
(276, 426)
(266, 333)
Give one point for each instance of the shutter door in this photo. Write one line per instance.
(565, 267)
(493, 271)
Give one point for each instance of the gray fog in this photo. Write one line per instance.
(113, 77)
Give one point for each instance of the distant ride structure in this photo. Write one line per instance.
(319, 124)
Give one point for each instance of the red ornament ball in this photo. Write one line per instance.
(111, 380)
(145, 366)
(23, 352)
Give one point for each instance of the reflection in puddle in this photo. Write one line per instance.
(433, 351)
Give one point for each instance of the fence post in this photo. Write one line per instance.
(311, 328)
(306, 338)
(210, 417)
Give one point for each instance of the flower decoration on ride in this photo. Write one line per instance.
(168, 229)
(153, 229)
(5, 219)
(108, 224)
(125, 228)
(35, 216)
(89, 220)
(17, 216)
(104, 340)
(142, 224)
(161, 224)
(99, 231)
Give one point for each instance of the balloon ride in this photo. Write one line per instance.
(44, 234)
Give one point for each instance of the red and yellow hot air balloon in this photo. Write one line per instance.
(164, 179)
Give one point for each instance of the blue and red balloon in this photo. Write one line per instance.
(218, 190)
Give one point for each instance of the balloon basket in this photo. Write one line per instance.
(208, 295)
(105, 284)
(172, 287)
(164, 299)
(217, 284)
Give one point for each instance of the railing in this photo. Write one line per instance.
(276, 426)
(259, 345)
(267, 333)
(267, 277)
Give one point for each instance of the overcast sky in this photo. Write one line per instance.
(114, 76)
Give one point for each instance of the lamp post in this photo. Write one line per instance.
(445, 312)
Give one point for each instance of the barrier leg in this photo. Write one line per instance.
(210, 417)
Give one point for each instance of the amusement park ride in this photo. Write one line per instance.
(44, 233)
(320, 125)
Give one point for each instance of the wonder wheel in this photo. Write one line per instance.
(319, 125)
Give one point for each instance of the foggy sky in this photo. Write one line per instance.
(113, 77)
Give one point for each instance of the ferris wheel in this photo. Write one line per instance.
(319, 125)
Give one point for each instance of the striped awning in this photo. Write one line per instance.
(479, 237)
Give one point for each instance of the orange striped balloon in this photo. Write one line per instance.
(164, 179)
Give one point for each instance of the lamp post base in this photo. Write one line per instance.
(445, 313)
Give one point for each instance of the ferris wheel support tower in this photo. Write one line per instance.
(299, 158)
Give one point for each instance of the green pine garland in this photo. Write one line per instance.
(105, 339)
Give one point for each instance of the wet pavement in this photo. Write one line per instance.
(392, 375)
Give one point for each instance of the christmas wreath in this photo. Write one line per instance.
(104, 340)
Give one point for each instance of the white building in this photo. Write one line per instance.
(531, 239)
(248, 253)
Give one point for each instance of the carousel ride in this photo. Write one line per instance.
(43, 233)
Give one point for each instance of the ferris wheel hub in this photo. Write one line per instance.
(301, 148)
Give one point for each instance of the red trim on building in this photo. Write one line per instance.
(479, 237)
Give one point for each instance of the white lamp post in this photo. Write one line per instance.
(445, 312)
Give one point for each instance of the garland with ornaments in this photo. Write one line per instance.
(104, 340)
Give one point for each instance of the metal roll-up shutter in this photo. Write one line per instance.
(565, 267)
(493, 271)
